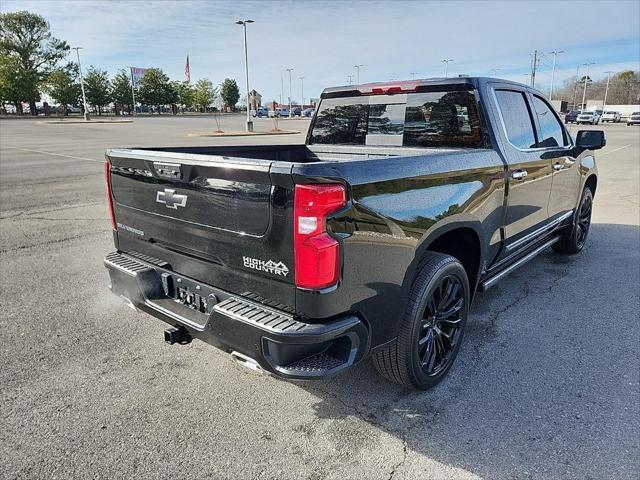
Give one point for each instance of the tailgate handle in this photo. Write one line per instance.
(168, 170)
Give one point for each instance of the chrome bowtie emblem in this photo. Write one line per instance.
(170, 199)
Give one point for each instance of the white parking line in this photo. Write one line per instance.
(55, 154)
(614, 150)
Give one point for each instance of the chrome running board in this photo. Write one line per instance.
(490, 282)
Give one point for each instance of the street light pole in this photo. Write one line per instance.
(575, 87)
(290, 70)
(553, 71)
(249, 126)
(358, 73)
(413, 75)
(84, 98)
(606, 90)
(133, 92)
(302, 87)
(446, 66)
(350, 79)
(493, 71)
(586, 80)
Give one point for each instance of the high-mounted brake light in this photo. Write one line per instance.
(317, 255)
(107, 176)
(388, 88)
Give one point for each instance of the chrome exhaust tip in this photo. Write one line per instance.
(247, 362)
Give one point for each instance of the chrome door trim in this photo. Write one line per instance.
(539, 231)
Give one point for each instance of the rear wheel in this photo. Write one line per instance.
(574, 238)
(432, 328)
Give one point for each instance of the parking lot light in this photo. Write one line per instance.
(84, 98)
(606, 90)
(358, 73)
(575, 87)
(244, 23)
(446, 65)
(553, 71)
(586, 80)
(289, 70)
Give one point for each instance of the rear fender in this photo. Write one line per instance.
(454, 222)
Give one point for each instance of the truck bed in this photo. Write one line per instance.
(294, 153)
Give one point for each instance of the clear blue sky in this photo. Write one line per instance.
(322, 40)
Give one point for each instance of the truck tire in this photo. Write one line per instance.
(573, 239)
(432, 327)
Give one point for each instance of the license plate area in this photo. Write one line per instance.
(186, 292)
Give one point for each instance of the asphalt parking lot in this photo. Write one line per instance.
(546, 384)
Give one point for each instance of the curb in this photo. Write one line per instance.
(242, 134)
(82, 122)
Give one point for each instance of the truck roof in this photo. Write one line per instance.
(407, 86)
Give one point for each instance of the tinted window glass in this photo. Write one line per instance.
(341, 121)
(551, 132)
(516, 118)
(442, 119)
(427, 119)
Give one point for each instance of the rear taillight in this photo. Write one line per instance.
(317, 255)
(107, 176)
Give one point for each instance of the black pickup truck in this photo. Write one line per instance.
(371, 240)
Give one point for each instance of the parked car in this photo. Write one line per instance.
(308, 112)
(9, 108)
(634, 119)
(296, 111)
(261, 112)
(367, 241)
(611, 116)
(281, 112)
(571, 116)
(591, 118)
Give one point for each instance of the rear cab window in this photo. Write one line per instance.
(443, 118)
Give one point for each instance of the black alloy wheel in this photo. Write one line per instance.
(432, 327)
(574, 238)
(441, 326)
(584, 220)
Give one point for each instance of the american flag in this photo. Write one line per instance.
(187, 72)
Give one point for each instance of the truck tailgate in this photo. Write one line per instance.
(210, 216)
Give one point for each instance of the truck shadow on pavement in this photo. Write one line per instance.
(546, 384)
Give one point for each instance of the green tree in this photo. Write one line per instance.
(27, 38)
(14, 82)
(97, 88)
(183, 92)
(204, 94)
(229, 92)
(64, 88)
(121, 91)
(155, 89)
(628, 83)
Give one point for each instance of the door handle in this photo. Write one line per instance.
(519, 174)
(557, 166)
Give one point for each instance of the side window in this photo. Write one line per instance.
(551, 132)
(517, 119)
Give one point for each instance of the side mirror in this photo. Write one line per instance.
(591, 139)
